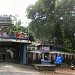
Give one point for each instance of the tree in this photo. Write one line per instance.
(66, 12)
(58, 34)
(21, 29)
(17, 25)
(42, 18)
(53, 18)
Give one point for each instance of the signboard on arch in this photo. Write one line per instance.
(45, 48)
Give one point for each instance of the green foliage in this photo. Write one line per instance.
(17, 25)
(20, 29)
(42, 15)
(53, 18)
(66, 10)
(58, 33)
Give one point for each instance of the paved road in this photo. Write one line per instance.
(19, 69)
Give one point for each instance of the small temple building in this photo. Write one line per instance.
(12, 48)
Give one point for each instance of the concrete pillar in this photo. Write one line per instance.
(24, 54)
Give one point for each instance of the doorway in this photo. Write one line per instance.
(3, 56)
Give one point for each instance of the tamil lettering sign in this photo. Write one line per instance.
(45, 48)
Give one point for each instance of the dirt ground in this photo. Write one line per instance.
(30, 70)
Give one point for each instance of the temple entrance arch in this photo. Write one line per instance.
(13, 52)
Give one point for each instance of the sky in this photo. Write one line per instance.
(16, 7)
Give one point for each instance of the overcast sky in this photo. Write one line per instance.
(15, 7)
